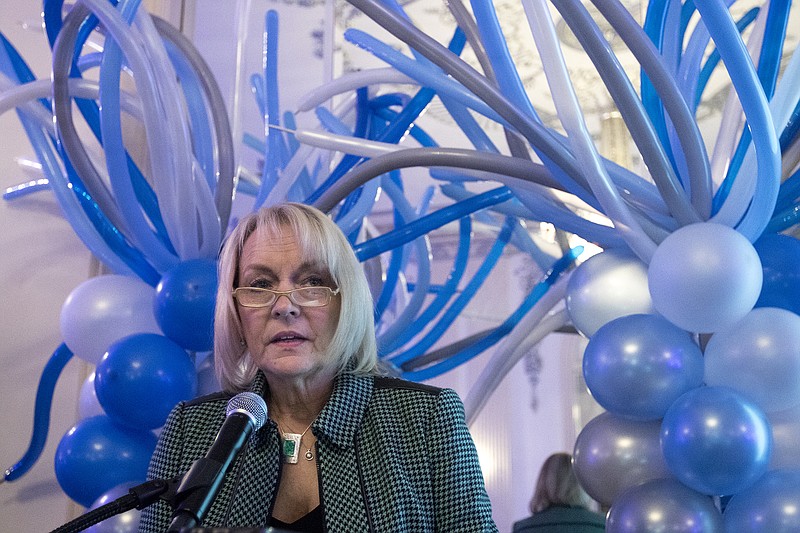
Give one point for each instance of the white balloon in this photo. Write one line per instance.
(88, 405)
(785, 436)
(758, 356)
(104, 309)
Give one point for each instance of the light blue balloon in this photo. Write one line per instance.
(770, 505)
(636, 366)
(704, 277)
(663, 505)
(715, 441)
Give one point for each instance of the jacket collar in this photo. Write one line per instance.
(340, 419)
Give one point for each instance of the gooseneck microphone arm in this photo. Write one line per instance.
(138, 497)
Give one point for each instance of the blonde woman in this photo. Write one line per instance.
(345, 448)
(559, 504)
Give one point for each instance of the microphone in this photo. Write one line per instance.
(246, 413)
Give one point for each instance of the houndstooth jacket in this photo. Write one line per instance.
(392, 456)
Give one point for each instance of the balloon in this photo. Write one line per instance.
(785, 436)
(141, 378)
(184, 304)
(88, 405)
(206, 378)
(606, 286)
(704, 277)
(663, 505)
(613, 454)
(96, 455)
(716, 441)
(780, 255)
(770, 505)
(636, 366)
(103, 309)
(127, 522)
(41, 414)
(759, 357)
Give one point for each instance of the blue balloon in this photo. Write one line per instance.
(184, 304)
(780, 255)
(97, 455)
(770, 505)
(141, 378)
(636, 366)
(663, 505)
(716, 441)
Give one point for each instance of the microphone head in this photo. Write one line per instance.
(250, 404)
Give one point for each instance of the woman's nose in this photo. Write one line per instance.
(284, 306)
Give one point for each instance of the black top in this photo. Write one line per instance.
(310, 523)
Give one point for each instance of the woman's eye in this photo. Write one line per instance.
(314, 281)
(260, 283)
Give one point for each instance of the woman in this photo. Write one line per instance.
(345, 448)
(559, 504)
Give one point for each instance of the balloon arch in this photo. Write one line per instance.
(691, 310)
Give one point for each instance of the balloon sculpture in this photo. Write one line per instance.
(690, 310)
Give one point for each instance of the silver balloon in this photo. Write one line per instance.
(613, 454)
(663, 505)
(606, 286)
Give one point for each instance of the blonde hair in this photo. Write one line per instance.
(352, 347)
(557, 485)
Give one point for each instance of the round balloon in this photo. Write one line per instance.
(758, 356)
(663, 505)
(606, 286)
(184, 304)
(142, 377)
(785, 426)
(97, 455)
(103, 309)
(207, 381)
(769, 506)
(613, 454)
(637, 365)
(780, 255)
(716, 441)
(88, 405)
(127, 522)
(704, 277)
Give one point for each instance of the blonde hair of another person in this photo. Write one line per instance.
(353, 346)
(557, 485)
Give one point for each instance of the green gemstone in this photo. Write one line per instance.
(289, 447)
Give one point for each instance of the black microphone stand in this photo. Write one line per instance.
(138, 497)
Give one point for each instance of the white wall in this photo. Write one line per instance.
(41, 261)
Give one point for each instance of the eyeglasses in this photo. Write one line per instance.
(303, 296)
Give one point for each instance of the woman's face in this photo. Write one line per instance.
(286, 341)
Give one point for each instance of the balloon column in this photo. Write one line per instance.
(691, 349)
